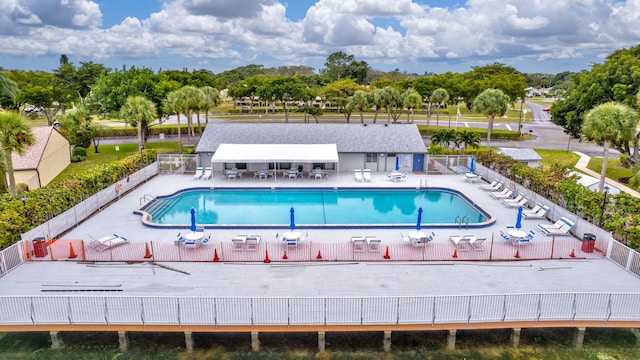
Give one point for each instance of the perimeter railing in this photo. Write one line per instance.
(327, 311)
(11, 257)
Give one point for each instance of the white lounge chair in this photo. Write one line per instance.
(199, 172)
(494, 186)
(532, 211)
(373, 243)
(560, 227)
(366, 175)
(521, 202)
(357, 173)
(358, 244)
(540, 214)
(207, 173)
(505, 193)
(515, 199)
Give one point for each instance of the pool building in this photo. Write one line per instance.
(331, 147)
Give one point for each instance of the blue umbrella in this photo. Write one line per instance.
(519, 218)
(193, 219)
(397, 163)
(418, 224)
(292, 225)
(472, 167)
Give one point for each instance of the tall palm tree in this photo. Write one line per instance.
(173, 104)
(212, 99)
(359, 101)
(492, 103)
(8, 87)
(139, 111)
(411, 100)
(469, 139)
(439, 96)
(15, 136)
(607, 123)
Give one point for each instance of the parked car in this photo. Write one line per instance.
(32, 108)
(547, 109)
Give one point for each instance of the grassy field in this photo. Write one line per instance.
(601, 344)
(615, 170)
(550, 157)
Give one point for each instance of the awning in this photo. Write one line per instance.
(270, 153)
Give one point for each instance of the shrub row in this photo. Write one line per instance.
(40, 205)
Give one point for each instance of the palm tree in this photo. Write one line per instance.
(439, 96)
(607, 123)
(8, 87)
(173, 104)
(15, 136)
(212, 99)
(411, 100)
(359, 101)
(469, 139)
(140, 111)
(492, 103)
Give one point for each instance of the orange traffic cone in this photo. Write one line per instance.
(266, 257)
(517, 255)
(285, 257)
(72, 253)
(319, 256)
(386, 254)
(147, 251)
(573, 253)
(215, 255)
(455, 254)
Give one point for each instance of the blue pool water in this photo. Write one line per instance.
(314, 208)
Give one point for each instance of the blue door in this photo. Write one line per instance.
(418, 162)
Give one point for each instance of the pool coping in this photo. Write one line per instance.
(146, 218)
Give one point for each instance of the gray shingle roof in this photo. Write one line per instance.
(31, 158)
(520, 154)
(349, 138)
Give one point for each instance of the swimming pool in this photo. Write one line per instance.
(314, 208)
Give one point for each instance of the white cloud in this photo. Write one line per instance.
(405, 33)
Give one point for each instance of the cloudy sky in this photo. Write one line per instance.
(419, 36)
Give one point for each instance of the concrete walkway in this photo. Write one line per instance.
(582, 166)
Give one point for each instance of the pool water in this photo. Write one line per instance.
(315, 208)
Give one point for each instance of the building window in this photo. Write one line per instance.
(372, 157)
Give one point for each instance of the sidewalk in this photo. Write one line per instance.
(582, 166)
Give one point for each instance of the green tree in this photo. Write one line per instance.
(339, 92)
(491, 103)
(139, 111)
(8, 89)
(443, 137)
(439, 96)
(78, 128)
(173, 104)
(340, 65)
(607, 123)
(15, 136)
(283, 90)
(359, 101)
(212, 99)
(468, 139)
(388, 98)
(247, 88)
(411, 100)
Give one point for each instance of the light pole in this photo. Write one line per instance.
(523, 112)
(604, 203)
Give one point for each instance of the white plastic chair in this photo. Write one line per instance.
(199, 172)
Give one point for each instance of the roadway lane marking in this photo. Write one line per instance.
(508, 127)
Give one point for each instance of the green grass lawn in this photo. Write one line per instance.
(550, 157)
(615, 170)
(107, 153)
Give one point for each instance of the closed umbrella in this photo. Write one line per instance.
(292, 225)
(472, 167)
(397, 163)
(519, 218)
(193, 219)
(418, 224)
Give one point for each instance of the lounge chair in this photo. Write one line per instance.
(207, 173)
(533, 210)
(251, 243)
(358, 244)
(199, 172)
(357, 173)
(373, 243)
(366, 175)
(560, 227)
(462, 242)
(515, 199)
(504, 236)
(238, 243)
(505, 193)
(405, 238)
(478, 244)
(494, 186)
(521, 202)
(540, 214)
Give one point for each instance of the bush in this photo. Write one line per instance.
(79, 154)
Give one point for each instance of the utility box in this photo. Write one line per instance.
(40, 247)
(588, 242)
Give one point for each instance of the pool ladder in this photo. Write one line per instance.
(146, 198)
(462, 220)
(423, 183)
